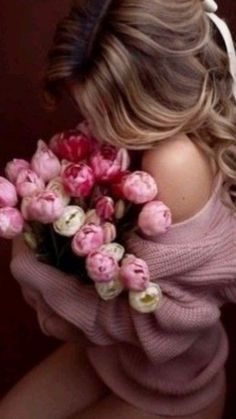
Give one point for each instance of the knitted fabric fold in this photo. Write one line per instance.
(169, 362)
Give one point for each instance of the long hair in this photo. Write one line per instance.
(143, 71)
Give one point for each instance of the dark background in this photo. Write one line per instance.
(26, 30)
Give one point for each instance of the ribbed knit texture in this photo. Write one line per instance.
(169, 362)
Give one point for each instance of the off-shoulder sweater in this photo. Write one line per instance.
(169, 362)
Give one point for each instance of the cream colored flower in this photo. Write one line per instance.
(70, 222)
(119, 209)
(146, 301)
(31, 239)
(109, 290)
(114, 249)
(56, 186)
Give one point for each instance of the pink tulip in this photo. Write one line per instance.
(78, 179)
(45, 163)
(134, 273)
(11, 222)
(108, 162)
(101, 266)
(24, 207)
(155, 218)
(14, 167)
(28, 183)
(105, 207)
(8, 195)
(45, 207)
(109, 232)
(72, 145)
(139, 187)
(88, 239)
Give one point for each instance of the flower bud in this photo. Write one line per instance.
(8, 195)
(109, 290)
(28, 183)
(88, 239)
(146, 301)
(56, 186)
(139, 187)
(108, 162)
(31, 240)
(78, 179)
(114, 249)
(45, 207)
(70, 221)
(45, 163)
(155, 218)
(109, 231)
(101, 266)
(11, 222)
(72, 145)
(134, 273)
(34, 234)
(14, 167)
(119, 209)
(105, 207)
(24, 207)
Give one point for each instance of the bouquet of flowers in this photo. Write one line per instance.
(74, 202)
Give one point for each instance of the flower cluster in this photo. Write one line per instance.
(82, 190)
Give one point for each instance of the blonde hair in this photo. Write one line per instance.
(143, 71)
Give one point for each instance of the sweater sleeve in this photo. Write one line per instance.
(228, 294)
(227, 291)
(163, 335)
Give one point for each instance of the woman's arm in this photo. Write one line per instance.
(109, 322)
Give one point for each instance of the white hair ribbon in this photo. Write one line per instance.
(210, 7)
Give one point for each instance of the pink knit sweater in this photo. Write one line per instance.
(169, 362)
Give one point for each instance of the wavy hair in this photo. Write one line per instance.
(143, 71)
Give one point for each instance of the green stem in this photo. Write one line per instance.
(63, 249)
(54, 243)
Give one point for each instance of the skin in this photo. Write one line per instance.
(64, 386)
(184, 175)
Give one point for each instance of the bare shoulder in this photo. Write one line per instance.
(184, 175)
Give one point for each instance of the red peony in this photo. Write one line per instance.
(78, 179)
(72, 145)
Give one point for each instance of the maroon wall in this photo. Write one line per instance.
(27, 27)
